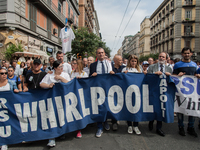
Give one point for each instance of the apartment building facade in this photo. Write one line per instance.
(174, 25)
(88, 16)
(36, 24)
(127, 39)
(144, 41)
(133, 45)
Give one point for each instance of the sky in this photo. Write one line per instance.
(110, 14)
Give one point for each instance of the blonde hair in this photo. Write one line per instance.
(130, 57)
(79, 65)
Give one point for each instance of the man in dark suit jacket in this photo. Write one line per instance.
(101, 66)
(159, 68)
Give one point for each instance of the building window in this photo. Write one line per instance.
(59, 6)
(188, 2)
(68, 11)
(172, 17)
(172, 4)
(188, 14)
(188, 30)
(187, 43)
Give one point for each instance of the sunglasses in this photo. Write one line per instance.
(2, 73)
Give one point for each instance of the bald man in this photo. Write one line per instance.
(116, 68)
(89, 61)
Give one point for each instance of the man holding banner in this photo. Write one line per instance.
(185, 67)
(101, 66)
(159, 68)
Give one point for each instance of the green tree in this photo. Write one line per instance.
(86, 43)
(12, 49)
(125, 55)
(143, 58)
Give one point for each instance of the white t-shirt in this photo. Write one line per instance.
(17, 70)
(49, 78)
(21, 71)
(67, 68)
(76, 74)
(129, 69)
(5, 88)
(66, 38)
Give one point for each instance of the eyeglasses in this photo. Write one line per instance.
(2, 73)
(74, 63)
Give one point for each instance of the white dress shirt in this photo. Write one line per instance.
(106, 64)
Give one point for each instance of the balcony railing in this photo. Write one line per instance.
(51, 9)
(188, 34)
(188, 3)
(191, 19)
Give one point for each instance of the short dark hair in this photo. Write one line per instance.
(13, 61)
(11, 67)
(185, 49)
(56, 63)
(50, 57)
(59, 52)
(45, 64)
(99, 48)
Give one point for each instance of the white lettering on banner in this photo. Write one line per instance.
(47, 113)
(28, 115)
(86, 111)
(146, 106)
(3, 116)
(2, 103)
(95, 91)
(120, 99)
(129, 103)
(3, 113)
(163, 89)
(71, 109)
(8, 131)
(60, 110)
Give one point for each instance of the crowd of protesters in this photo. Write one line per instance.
(35, 75)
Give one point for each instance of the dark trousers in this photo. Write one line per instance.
(135, 124)
(158, 125)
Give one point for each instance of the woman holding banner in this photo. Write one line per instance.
(48, 82)
(6, 85)
(78, 72)
(132, 66)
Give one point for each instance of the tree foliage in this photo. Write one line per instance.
(12, 49)
(86, 44)
(125, 55)
(143, 58)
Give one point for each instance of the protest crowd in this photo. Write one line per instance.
(32, 74)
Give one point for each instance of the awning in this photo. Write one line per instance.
(26, 54)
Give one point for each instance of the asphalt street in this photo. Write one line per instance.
(121, 140)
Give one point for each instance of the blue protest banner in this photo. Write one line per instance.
(48, 113)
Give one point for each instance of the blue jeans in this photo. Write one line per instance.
(191, 120)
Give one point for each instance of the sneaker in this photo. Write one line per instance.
(191, 131)
(79, 135)
(4, 147)
(182, 131)
(137, 131)
(106, 126)
(51, 143)
(114, 127)
(130, 129)
(99, 132)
